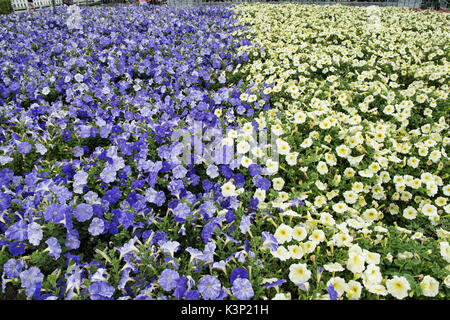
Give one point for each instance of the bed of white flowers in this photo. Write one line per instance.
(352, 203)
(362, 113)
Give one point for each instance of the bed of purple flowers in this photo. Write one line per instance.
(94, 202)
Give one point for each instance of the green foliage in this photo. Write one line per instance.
(5, 7)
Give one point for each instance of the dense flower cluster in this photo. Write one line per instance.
(96, 201)
(365, 112)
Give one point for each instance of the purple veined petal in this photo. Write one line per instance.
(269, 241)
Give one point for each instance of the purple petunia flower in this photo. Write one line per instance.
(208, 252)
(179, 172)
(79, 181)
(263, 183)
(192, 295)
(128, 248)
(238, 273)
(212, 171)
(217, 64)
(245, 224)
(209, 229)
(275, 283)
(195, 254)
(73, 276)
(100, 274)
(105, 130)
(176, 186)
(168, 279)
(72, 240)
(150, 195)
(96, 227)
(54, 213)
(113, 195)
(332, 292)
(18, 231)
(171, 247)
(108, 174)
(17, 248)
(240, 110)
(5, 199)
(5, 159)
(12, 268)
(34, 233)
(78, 151)
(30, 279)
(101, 290)
(207, 209)
(126, 218)
(182, 210)
(226, 171)
(24, 147)
(242, 289)
(181, 287)
(254, 169)
(254, 203)
(83, 212)
(84, 131)
(239, 180)
(160, 198)
(62, 193)
(124, 278)
(269, 241)
(40, 148)
(67, 135)
(297, 202)
(54, 247)
(209, 287)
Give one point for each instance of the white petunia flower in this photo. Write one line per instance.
(430, 286)
(398, 287)
(429, 210)
(340, 207)
(283, 147)
(409, 213)
(355, 263)
(291, 158)
(277, 130)
(282, 296)
(296, 251)
(299, 117)
(372, 275)
(339, 285)
(445, 250)
(299, 233)
(272, 166)
(278, 183)
(283, 233)
(334, 267)
(343, 151)
(281, 253)
(299, 273)
(229, 189)
(322, 167)
(353, 290)
(242, 147)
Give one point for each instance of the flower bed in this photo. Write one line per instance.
(96, 202)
